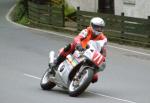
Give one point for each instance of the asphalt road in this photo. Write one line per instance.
(24, 57)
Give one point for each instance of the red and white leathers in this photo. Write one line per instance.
(82, 38)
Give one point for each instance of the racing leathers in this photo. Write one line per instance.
(82, 40)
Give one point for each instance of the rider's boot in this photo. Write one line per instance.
(95, 78)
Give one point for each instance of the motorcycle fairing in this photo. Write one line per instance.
(64, 70)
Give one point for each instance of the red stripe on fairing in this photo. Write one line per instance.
(97, 58)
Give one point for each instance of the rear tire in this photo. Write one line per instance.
(83, 84)
(45, 83)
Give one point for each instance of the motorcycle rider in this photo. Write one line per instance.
(93, 32)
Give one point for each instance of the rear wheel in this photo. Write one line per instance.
(81, 82)
(46, 84)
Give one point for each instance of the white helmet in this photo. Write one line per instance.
(97, 25)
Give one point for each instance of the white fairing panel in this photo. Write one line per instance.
(93, 46)
(96, 45)
(64, 70)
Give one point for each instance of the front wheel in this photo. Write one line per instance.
(79, 84)
(46, 84)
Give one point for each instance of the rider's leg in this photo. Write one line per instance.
(62, 55)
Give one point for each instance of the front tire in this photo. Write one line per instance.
(84, 82)
(45, 83)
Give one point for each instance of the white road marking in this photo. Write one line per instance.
(31, 76)
(133, 51)
(58, 34)
(106, 96)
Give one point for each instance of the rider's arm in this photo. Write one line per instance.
(102, 44)
(80, 37)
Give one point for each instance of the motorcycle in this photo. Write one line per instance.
(75, 73)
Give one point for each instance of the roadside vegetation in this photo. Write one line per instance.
(20, 12)
(20, 15)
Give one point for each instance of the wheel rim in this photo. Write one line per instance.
(73, 86)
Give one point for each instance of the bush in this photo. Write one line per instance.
(18, 13)
(24, 20)
(20, 10)
(69, 9)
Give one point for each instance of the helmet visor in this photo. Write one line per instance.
(97, 28)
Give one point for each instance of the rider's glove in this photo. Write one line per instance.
(79, 47)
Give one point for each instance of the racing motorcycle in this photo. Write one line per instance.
(75, 73)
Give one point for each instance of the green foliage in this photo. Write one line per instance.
(18, 13)
(69, 9)
(24, 20)
(20, 10)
